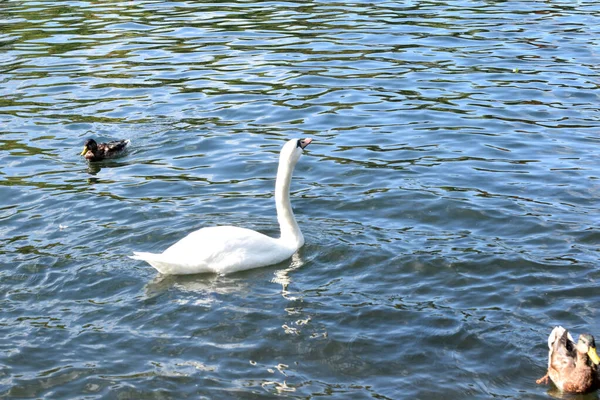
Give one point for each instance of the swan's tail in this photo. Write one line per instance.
(156, 260)
(170, 266)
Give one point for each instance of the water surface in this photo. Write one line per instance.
(449, 201)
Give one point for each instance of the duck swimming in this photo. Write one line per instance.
(93, 151)
(227, 249)
(572, 367)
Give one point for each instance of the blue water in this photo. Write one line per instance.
(449, 200)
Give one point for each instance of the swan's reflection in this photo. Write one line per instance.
(207, 284)
(282, 277)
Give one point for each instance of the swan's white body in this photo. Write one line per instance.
(227, 249)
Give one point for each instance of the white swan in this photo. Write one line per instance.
(227, 249)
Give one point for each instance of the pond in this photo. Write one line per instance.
(449, 200)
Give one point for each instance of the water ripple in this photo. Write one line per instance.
(448, 201)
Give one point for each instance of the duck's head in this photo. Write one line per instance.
(586, 344)
(89, 149)
(293, 149)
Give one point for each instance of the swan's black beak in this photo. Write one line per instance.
(302, 143)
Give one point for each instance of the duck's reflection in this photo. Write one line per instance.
(93, 168)
(557, 394)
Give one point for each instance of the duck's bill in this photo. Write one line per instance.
(85, 150)
(593, 355)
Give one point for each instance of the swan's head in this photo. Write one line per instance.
(293, 149)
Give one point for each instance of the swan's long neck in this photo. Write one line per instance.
(290, 231)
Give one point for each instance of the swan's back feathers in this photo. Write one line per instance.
(221, 249)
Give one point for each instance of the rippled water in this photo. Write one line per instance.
(449, 201)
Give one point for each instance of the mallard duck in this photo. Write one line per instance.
(227, 249)
(93, 151)
(572, 367)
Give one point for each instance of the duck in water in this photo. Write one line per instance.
(571, 366)
(93, 151)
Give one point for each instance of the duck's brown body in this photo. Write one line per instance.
(93, 151)
(572, 367)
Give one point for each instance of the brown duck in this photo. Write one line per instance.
(572, 367)
(93, 151)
